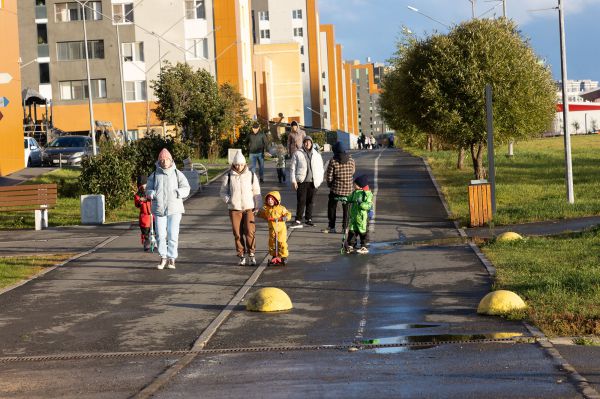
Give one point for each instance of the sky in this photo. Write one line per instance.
(370, 28)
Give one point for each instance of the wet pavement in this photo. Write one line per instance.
(399, 322)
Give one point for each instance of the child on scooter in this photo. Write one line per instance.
(361, 203)
(145, 206)
(276, 214)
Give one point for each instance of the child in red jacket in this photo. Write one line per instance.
(145, 206)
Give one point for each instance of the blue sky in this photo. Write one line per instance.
(369, 28)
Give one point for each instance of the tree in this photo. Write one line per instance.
(234, 112)
(576, 126)
(440, 84)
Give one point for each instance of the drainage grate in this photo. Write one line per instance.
(343, 347)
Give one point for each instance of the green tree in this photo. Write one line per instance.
(439, 85)
(234, 113)
(576, 126)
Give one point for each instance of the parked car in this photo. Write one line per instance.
(33, 152)
(68, 150)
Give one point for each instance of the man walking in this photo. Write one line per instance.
(306, 173)
(295, 139)
(257, 145)
(339, 177)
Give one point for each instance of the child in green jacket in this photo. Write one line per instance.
(361, 202)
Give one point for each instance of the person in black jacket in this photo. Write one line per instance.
(257, 145)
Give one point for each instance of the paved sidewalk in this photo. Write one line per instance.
(22, 176)
(547, 228)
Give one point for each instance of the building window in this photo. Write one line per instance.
(265, 33)
(135, 91)
(324, 101)
(69, 51)
(302, 50)
(324, 88)
(133, 52)
(296, 14)
(123, 13)
(78, 89)
(66, 12)
(323, 75)
(195, 9)
(325, 114)
(298, 32)
(197, 48)
(44, 73)
(263, 15)
(302, 67)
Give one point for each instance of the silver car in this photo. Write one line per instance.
(68, 150)
(33, 153)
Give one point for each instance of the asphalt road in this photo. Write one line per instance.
(94, 322)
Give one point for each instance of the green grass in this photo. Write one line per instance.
(206, 161)
(558, 277)
(529, 186)
(16, 269)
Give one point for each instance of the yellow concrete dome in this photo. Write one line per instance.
(269, 299)
(500, 302)
(509, 236)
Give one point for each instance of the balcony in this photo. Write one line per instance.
(41, 12)
(43, 50)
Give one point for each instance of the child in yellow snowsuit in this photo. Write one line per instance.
(276, 214)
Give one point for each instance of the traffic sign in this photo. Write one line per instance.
(5, 78)
(4, 102)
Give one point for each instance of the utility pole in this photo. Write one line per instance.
(123, 108)
(89, 81)
(567, 137)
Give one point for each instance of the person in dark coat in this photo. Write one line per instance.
(339, 177)
(257, 145)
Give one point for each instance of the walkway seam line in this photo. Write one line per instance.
(580, 382)
(49, 269)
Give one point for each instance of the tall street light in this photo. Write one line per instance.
(427, 16)
(567, 138)
(83, 5)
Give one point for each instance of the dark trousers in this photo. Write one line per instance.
(280, 175)
(304, 196)
(332, 211)
(145, 236)
(352, 236)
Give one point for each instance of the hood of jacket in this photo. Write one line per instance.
(274, 194)
(165, 171)
(342, 157)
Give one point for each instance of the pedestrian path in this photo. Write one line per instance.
(546, 228)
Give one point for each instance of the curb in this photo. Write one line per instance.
(580, 382)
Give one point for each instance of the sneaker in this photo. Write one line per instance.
(162, 264)
(329, 230)
(309, 223)
(171, 264)
(283, 261)
(252, 260)
(363, 250)
(296, 224)
(350, 250)
(242, 261)
(261, 180)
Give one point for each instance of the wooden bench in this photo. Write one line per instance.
(30, 197)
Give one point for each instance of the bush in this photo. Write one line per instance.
(319, 138)
(145, 152)
(108, 173)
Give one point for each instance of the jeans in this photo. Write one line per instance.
(260, 157)
(167, 231)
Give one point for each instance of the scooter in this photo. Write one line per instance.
(153, 243)
(276, 260)
(344, 247)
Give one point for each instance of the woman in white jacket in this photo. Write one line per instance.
(241, 192)
(167, 188)
(306, 173)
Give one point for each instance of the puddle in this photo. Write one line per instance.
(388, 246)
(410, 326)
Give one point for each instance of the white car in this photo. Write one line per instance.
(33, 152)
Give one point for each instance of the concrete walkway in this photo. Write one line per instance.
(22, 176)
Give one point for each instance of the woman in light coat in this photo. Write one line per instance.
(306, 174)
(241, 192)
(167, 187)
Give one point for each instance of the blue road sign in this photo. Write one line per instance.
(4, 102)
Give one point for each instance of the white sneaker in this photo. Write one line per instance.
(252, 260)
(363, 250)
(171, 264)
(162, 264)
(242, 261)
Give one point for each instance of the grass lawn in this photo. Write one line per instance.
(16, 269)
(529, 186)
(558, 277)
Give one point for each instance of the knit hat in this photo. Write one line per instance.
(164, 154)
(338, 148)
(256, 125)
(239, 159)
(141, 180)
(362, 181)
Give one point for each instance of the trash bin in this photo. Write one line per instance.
(480, 202)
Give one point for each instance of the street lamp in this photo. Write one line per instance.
(320, 114)
(427, 16)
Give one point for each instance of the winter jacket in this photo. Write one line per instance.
(145, 219)
(295, 141)
(277, 228)
(257, 143)
(167, 188)
(299, 167)
(360, 202)
(340, 171)
(240, 191)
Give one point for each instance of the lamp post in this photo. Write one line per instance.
(567, 137)
(83, 5)
(320, 114)
(427, 16)
(123, 108)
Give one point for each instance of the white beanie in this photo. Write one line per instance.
(239, 159)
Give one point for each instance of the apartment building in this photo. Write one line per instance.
(150, 32)
(367, 78)
(11, 116)
(575, 89)
(294, 21)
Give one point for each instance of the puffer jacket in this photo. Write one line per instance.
(299, 167)
(360, 201)
(240, 191)
(167, 189)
